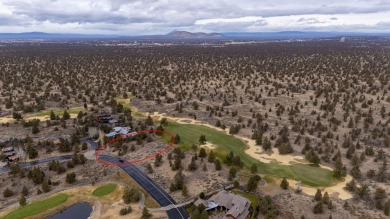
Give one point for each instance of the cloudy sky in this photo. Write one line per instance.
(137, 17)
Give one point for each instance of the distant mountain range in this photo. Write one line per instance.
(189, 35)
(42, 35)
(185, 35)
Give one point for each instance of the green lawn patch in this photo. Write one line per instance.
(104, 190)
(59, 112)
(126, 104)
(190, 133)
(37, 207)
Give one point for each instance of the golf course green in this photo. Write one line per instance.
(104, 190)
(190, 133)
(37, 207)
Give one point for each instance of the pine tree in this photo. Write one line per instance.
(195, 214)
(318, 208)
(35, 129)
(229, 158)
(325, 198)
(192, 166)
(266, 144)
(149, 168)
(204, 215)
(8, 193)
(70, 177)
(66, 115)
(312, 157)
(253, 169)
(25, 191)
(232, 173)
(52, 115)
(284, 184)
(184, 191)
(146, 214)
(45, 186)
(202, 139)
(158, 160)
(177, 163)
(202, 153)
(351, 185)
(363, 191)
(318, 195)
(177, 139)
(330, 204)
(253, 183)
(339, 170)
(22, 200)
(386, 209)
(355, 172)
(211, 157)
(149, 121)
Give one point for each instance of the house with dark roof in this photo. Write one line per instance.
(106, 118)
(235, 206)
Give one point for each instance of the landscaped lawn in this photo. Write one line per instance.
(189, 134)
(37, 207)
(104, 190)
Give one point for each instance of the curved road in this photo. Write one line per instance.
(162, 198)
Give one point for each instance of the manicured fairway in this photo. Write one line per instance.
(59, 112)
(104, 190)
(37, 207)
(189, 134)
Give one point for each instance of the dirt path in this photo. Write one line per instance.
(257, 152)
(96, 211)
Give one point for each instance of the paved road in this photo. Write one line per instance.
(38, 162)
(92, 146)
(162, 198)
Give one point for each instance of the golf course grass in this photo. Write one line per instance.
(189, 135)
(126, 104)
(104, 190)
(59, 112)
(37, 207)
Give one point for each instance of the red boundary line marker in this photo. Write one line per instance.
(139, 160)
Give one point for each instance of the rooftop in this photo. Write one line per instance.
(238, 206)
(119, 131)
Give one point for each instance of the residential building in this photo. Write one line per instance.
(235, 206)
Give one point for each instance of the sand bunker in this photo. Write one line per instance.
(209, 146)
(333, 191)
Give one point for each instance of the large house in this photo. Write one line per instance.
(123, 131)
(235, 206)
(106, 118)
(10, 154)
